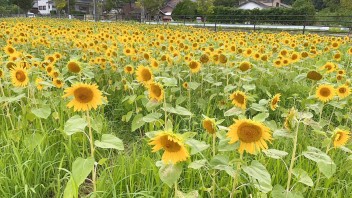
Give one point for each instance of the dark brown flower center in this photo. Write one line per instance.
(249, 133)
(325, 92)
(20, 76)
(83, 94)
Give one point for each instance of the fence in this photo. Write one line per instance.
(303, 23)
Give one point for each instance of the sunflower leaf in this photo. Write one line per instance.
(170, 173)
(302, 176)
(260, 176)
(280, 192)
(276, 154)
(196, 146)
(81, 169)
(74, 125)
(233, 111)
(109, 141)
(152, 117)
(192, 194)
(43, 112)
(137, 122)
(261, 117)
(197, 164)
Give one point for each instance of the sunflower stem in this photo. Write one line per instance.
(91, 141)
(293, 157)
(235, 179)
(175, 189)
(165, 108)
(6, 106)
(214, 171)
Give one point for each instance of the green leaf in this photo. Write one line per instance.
(71, 189)
(137, 122)
(188, 135)
(192, 194)
(168, 126)
(282, 133)
(233, 111)
(97, 124)
(219, 160)
(180, 99)
(33, 140)
(152, 117)
(151, 105)
(300, 77)
(302, 176)
(197, 164)
(193, 85)
(81, 169)
(225, 146)
(74, 125)
(258, 107)
(261, 117)
(196, 146)
(327, 169)
(280, 192)
(182, 111)
(248, 87)
(109, 141)
(260, 176)
(170, 173)
(276, 154)
(324, 162)
(169, 82)
(229, 88)
(43, 112)
(12, 99)
(228, 169)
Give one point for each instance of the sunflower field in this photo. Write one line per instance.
(132, 110)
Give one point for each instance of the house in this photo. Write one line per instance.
(45, 7)
(261, 4)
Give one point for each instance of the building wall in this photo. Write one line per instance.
(44, 7)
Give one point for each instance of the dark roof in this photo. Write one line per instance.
(172, 4)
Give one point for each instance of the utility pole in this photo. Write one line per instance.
(68, 7)
(95, 10)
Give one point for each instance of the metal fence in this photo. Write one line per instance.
(299, 23)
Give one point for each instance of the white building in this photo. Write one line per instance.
(45, 6)
(261, 4)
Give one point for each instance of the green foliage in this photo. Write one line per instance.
(186, 7)
(25, 5)
(60, 4)
(151, 7)
(271, 16)
(226, 3)
(205, 7)
(304, 5)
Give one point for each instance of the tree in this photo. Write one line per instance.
(305, 5)
(25, 5)
(60, 4)
(151, 7)
(226, 3)
(186, 7)
(332, 5)
(205, 7)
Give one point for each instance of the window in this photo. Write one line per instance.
(49, 7)
(277, 4)
(42, 8)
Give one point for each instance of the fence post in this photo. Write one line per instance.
(215, 25)
(304, 24)
(184, 20)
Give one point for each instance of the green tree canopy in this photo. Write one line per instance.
(205, 7)
(25, 5)
(186, 7)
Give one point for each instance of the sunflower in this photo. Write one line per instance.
(329, 67)
(74, 66)
(313, 75)
(289, 120)
(343, 91)
(58, 83)
(350, 51)
(222, 58)
(194, 66)
(1, 74)
(156, 91)
(174, 147)
(274, 101)
(38, 83)
(144, 75)
(19, 77)
(185, 85)
(340, 137)
(325, 93)
(251, 134)
(209, 125)
(128, 69)
(154, 63)
(10, 65)
(204, 58)
(239, 99)
(244, 66)
(85, 96)
(337, 56)
(9, 50)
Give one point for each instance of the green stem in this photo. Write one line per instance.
(292, 159)
(214, 171)
(235, 179)
(91, 141)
